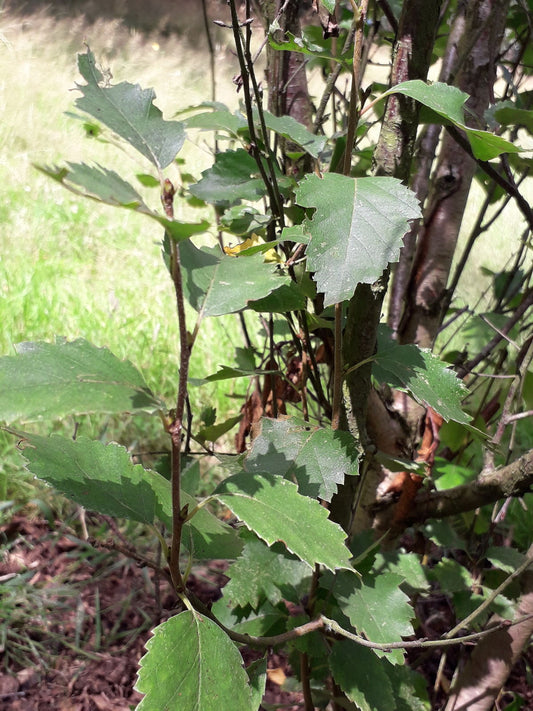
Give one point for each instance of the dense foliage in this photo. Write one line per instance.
(370, 451)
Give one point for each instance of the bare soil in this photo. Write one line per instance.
(100, 610)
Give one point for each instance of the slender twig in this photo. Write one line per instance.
(389, 14)
(211, 52)
(337, 369)
(175, 427)
(278, 203)
(518, 416)
(129, 552)
(507, 183)
(512, 396)
(476, 232)
(312, 372)
(353, 115)
(330, 83)
(490, 599)
(521, 309)
(419, 643)
(245, 79)
(360, 13)
(306, 682)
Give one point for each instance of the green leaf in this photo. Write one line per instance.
(405, 565)
(243, 219)
(234, 176)
(257, 673)
(50, 380)
(205, 536)
(272, 508)
(306, 45)
(507, 114)
(377, 608)
(362, 676)
(97, 476)
(103, 478)
(267, 620)
(220, 119)
(217, 284)
(356, 230)
(227, 373)
(293, 130)
(192, 664)
(409, 689)
(329, 5)
(452, 576)
(213, 432)
(317, 459)
(423, 374)
(288, 297)
(262, 573)
(129, 111)
(103, 185)
(448, 102)
(506, 559)
(147, 180)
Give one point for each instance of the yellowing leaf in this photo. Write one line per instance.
(271, 256)
(276, 675)
(235, 251)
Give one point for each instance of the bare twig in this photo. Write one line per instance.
(175, 427)
(521, 309)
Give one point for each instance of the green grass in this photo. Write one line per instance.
(71, 267)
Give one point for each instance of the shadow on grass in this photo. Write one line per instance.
(166, 17)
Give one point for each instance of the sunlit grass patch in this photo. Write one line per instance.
(71, 267)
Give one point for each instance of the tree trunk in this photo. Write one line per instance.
(370, 422)
(485, 22)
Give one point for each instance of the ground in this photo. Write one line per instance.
(82, 653)
(76, 626)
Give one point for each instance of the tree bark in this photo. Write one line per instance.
(490, 664)
(513, 480)
(288, 91)
(412, 54)
(424, 158)
(485, 22)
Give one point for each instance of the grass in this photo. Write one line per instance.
(73, 268)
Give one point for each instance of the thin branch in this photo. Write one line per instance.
(356, 82)
(517, 316)
(507, 183)
(245, 79)
(211, 53)
(389, 14)
(419, 643)
(337, 369)
(175, 427)
(490, 599)
(512, 480)
(331, 81)
(130, 552)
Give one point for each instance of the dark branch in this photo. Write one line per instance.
(513, 480)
